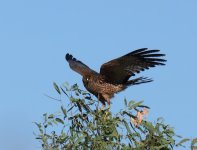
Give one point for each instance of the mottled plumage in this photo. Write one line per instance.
(114, 75)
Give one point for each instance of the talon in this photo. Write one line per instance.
(102, 108)
(108, 107)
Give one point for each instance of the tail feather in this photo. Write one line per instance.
(139, 80)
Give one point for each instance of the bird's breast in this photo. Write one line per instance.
(99, 86)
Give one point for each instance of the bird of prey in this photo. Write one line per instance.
(115, 75)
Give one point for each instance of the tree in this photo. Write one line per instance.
(80, 124)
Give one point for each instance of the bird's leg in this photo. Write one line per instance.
(109, 106)
(98, 96)
(102, 108)
(108, 109)
(103, 105)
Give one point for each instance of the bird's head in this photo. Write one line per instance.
(87, 79)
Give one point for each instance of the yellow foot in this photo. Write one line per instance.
(108, 107)
(102, 108)
(107, 112)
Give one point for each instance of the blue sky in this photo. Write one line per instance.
(36, 35)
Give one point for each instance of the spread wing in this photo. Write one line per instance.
(78, 66)
(119, 70)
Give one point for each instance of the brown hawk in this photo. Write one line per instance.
(114, 75)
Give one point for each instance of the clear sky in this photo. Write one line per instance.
(35, 36)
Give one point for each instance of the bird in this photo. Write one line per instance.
(114, 75)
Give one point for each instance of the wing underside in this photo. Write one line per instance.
(78, 66)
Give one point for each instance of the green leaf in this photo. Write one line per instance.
(50, 123)
(70, 108)
(127, 127)
(182, 141)
(134, 105)
(131, 103)
(56, 88)
(194, 142)
(38, 125)
(160, 119)
(73, 100)
(59, 120)
(62, 139)
(66, 85)
(64, 91)
(149, 126)
(125, 101)
(54, 121)
(45, 117)
(74, 87)
(79, 139)
(86, 107)
(165, 146)
(64, 111)
(51, 116)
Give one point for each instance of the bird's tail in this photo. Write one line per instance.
(139, 80)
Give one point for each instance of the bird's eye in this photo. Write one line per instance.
(87, 79)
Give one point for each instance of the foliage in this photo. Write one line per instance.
(80, 124)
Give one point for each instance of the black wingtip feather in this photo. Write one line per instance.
(144, 52)
(139, 80)
(150, 56)
(148, 52)
(68, 57)
(153, 55)
(138, 51)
